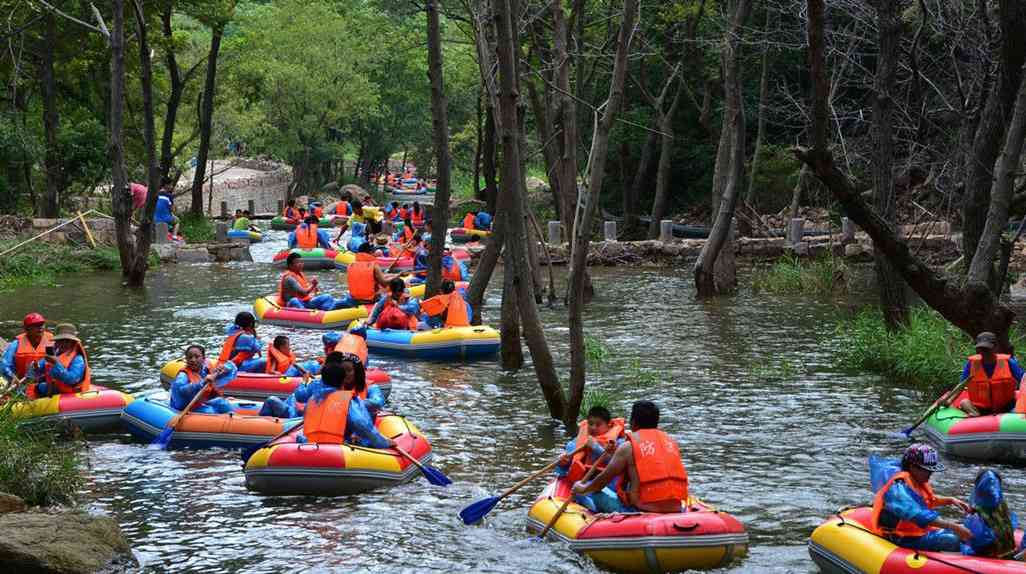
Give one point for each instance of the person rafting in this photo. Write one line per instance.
(396, 311)
(296, 291)
(364, 277)
(991, 523)
(603, 435)
(648, 464)
(291, 214)
(307, 236)
(483, 221)
(317, 210)
(242, 347)
(64, 368)
(903, 509)
(992, 379)
(417, 214)
(448, 309)
(280, 360)
(195, 377)
(243, 223)
(468, 220)
(27, 348)
(342, 371)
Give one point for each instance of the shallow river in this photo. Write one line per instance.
(771, 427)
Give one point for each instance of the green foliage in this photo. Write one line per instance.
(41, 263)
(928, 353)
(783, 369)
(793, 275)
(595, 350)
(775, 177)
(35, 464)
(196, 228)
(598, 398)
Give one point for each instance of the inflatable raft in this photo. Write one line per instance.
(345, 258)
(451, 343)
(146, 418)
(259, 386)
(268, 311)
(697, 538)
(464, 235)
(992, 437)
(318, 258)
(251, 236)
(844, 544)
(288, 467)
(96, 410)
(279, 223)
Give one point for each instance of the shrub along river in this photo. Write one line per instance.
(772, 429)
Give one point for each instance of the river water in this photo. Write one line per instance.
(772, 428)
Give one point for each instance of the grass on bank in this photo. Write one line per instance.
(196, 228)
(793, 275)
(929, 353)
(40, 263)
(38, 463)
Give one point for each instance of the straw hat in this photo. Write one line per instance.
(66, 332)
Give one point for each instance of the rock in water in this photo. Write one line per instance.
(65, 543)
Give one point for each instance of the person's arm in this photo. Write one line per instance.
(411, 307)
(616, 467)
(292, 240)
(965, 371)
(379, 276)
(952, 501)
(905, 505)
(7, 363)
(182, 391)
(303, 392)
(376, 311)
(249, 343)
(362, 424)
(72, 375)
(563, 466)
(375, 400)
(323, 239)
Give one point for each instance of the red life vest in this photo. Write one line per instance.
(277, 361)
(392, 317)
(904, 527)
(229, 348)
(468, 221)
(325, 421)
(25, 354)
(291, 215)
(408, 233)
(360, 276)
(456, 313)
(417, 217)
(453, 271)
(303, 284)
(318, 212)
(661, 474)
(993, 392)
(306, 236)
(65, 360)
(192, 375)
(342, 208)
(578, 466)
(392, 213)
(404, 213)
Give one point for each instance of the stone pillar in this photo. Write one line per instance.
(666, 230)
(221, 230)
(847, 230)
(795, 231)
(160, 232)
(224, 209)
(251, 205)
(610, 230)
(554, 235)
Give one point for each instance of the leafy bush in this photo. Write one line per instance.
(790, 275)
(36, 464)
(40, 263)
(196, 228)
(597, 398)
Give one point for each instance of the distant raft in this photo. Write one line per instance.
(287, 467)
(279, 223)
(697, 538)
(268, 311)
(844, 544)
(999, 437)
(249, 235)
(464, 235)
(96, 410)
(317, 258)
(146, 418)
(259, 386)
(447, 344)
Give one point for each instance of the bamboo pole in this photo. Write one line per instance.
(85, 227)
(47, 232)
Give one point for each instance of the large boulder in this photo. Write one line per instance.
(11, 503)
(354, 191)
(64, 543)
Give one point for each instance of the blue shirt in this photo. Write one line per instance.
(245, 342)
(596, 452)
(182, 391)
(71, 376)
(323, 239)
(163, 213)
(7, 362)
(360, 429)
(903, 503)
(483, 220)
(1013, 366)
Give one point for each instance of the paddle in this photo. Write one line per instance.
(249, 451)
(473, 513)
(164, 438)
(402, 251)
(432, 474)
(945, 400)
(562, 509)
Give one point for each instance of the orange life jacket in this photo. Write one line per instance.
(306, 236)
(992, 392)
(229, 347)
(404, 213)
(579, 465)
(278, 361)
(468, 221)
(318, 212)
(291, 214)
(325, 421)
(408, 233)
(904, 527)
(453, 271)
(360, 276)
(303, 283)
(25, 354)
(342, 208)
(456, 313)
(661, 473)
(392, 317)
(417, 217)
(192, 375)
(353, 344)
(65, 360)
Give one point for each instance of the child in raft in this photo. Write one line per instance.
(353, 377)
(603, 435)
(242, 347)
(280, 360)
(197, 376)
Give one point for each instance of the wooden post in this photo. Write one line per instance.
(610, 230)
(554, 235)
(221, 230)
(666, 230)
(281, 207)
(795, 231)
(251, 204)
(224, 209)
(85, 228)
(160, 229)
(847, 230)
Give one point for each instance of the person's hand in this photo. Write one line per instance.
(962, 532)
(610, 447)
(580, 487)
(52, 359)
(962, 505)
(564, 459)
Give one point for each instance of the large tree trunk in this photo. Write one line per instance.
(893, 302)
(440, 133)
(511, 204)
(761, 121)
(479, 193)
(488, 169)
(51, 120)
(565, 121)
(631, 223)
(174, 99)
(206, 119)
(709, 278)
(511, 352)
(486, 267)
(582, 231)
(121, 199)
(662, 191)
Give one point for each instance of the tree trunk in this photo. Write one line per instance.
(479, 192)
(121, 199)
(893, 302)
(206, 120)
(144, 233)
(565, 122)
(662, 191)
(440, 132)
(174, 100)
(51, 120)
(511, 351)
(630, 203)
(761, 121)
(488, 165)
(582, 232)
(512, 205)
(486, 266)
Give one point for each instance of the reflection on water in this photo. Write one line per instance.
(779, 454)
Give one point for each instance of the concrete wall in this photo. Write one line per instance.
(265, 189)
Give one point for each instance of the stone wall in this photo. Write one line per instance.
(237, 187)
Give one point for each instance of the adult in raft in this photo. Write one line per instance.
(448, 309)
(307, 236)
(396, 311)
(243, 223)
(903, 510)
(27, 348)
(291, 214)
(341, 370)
(242, 347)
(603, 435)
(364, 278)
(993, 379)
(652, 475)
(195, 377)
(296, 291)
(64, 367)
